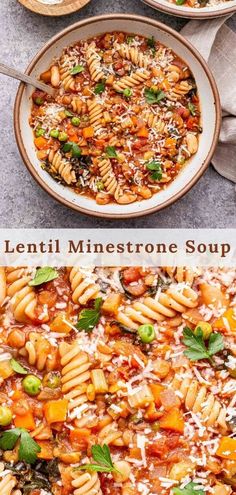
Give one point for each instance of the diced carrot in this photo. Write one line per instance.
(134, 119)
(170, 143)
(26, 421)
(41, 143)
(46, 450)
(135, 453)
(156, 390)
(226, 321)
(56, 411)
(73, 137)
(18, 394)
(151, 413)
(80, 437)
(58, 324)
(88, 132)
(227, 448)
(143, 132)
(172, 420)
(100, 143)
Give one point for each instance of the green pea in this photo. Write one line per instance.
(52, 380)
(75, 121)
(62, 136)
(76, 151)
(127, 92)
(39, 132)
(146, 333)
(38, 101)
(31, 385)
(5, 416)
(54, 133)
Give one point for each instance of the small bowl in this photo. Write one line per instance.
(63, 8)
(192, 13)
(210, 108)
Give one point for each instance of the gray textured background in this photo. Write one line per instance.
(211, 203)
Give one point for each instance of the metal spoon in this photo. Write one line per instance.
(16, 74)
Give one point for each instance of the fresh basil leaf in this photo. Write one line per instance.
(77, 70)
(43, 275)
(17, 367)
(111, 152)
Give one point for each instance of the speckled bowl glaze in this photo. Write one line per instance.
(210, 107)
(202, 13)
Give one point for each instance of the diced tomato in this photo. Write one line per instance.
(131, 274)
(183, 112)
(192, 122)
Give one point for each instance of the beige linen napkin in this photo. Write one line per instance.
(217, 44)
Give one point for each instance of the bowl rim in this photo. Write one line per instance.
(179, 12)
(81, 209)
(55, 10)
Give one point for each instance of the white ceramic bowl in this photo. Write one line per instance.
(210, 107)
(189, 12)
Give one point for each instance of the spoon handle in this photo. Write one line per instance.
(9, 71)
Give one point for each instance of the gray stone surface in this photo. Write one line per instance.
(211, 203)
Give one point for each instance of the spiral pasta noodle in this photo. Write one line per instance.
(60, 166)
(134, 55)
(78, 106)
(86, 484)
(198, 400)
(3, 287)
(95, 115)
(135, 79)
(22, 297)
(167, 305)
(155, 122)
(109, 179)
(67, 80)
(75, 375)
(93, 61)
(39, 352)
(181, 273)
(83, 286)
(181, 89)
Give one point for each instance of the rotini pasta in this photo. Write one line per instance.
(3, 289)
(59, 166)
(129, 386)
(126, 101)
(22, 296)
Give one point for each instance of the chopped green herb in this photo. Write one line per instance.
(196, 346)
(68, 114)
(151, 42)
(102, 456)
(111, 152)
(73, 147)
(155, 167)
(99, 88)
(77, 70)
(89, 318)
(192, 109)
(28, 447)
(153, 95)
(43, 275)
(17, 367)
(189, 489)
(129, 39)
